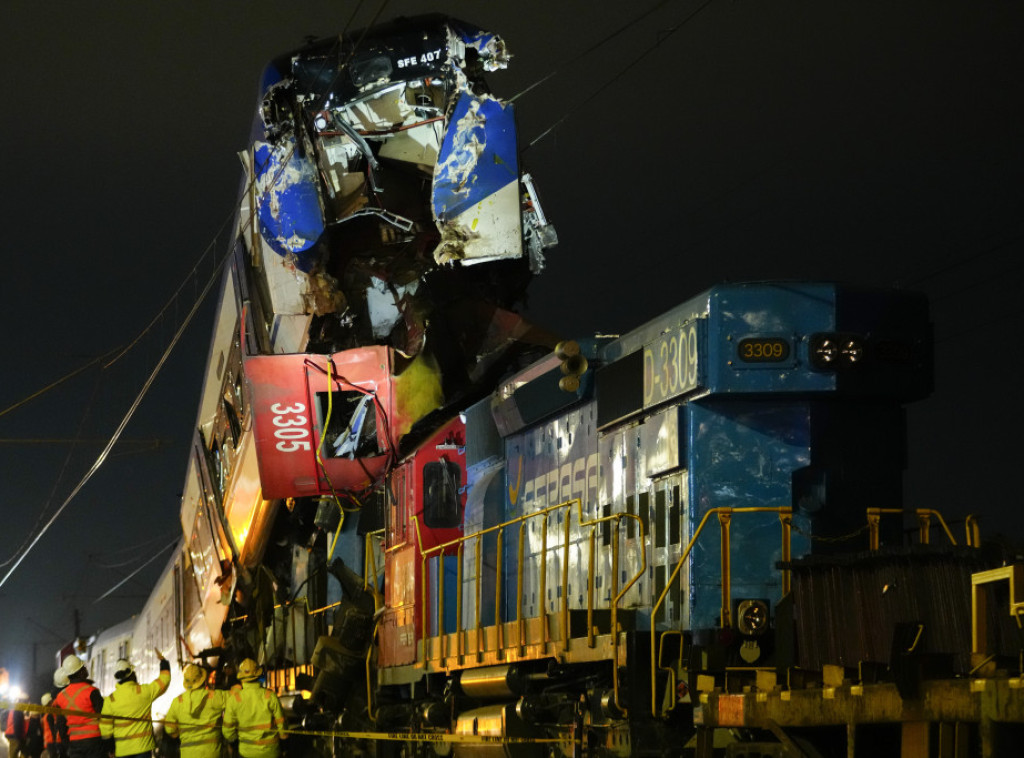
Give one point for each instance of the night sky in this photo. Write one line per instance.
(695, 142)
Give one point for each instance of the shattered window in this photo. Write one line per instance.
(441, 483)
(349, 421)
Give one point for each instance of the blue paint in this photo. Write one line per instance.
(478, 126)
(288, 207)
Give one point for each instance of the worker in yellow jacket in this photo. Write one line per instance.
(194, 716)
(129, 709)
(253, 716)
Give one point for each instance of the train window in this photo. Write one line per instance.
(349, 420)
(234, 425)
(441, 483)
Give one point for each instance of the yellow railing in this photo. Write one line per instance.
(520, 620)
(725, 520)
(924, 518)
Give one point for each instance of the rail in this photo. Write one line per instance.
(520, 620)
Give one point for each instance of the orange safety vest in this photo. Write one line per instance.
(49, 735)
(11, 730)
(77, 696)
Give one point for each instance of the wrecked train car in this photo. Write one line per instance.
(385, 234)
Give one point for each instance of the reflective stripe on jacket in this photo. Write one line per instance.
(77, 696)
(253, 715)
(194, 716)
(133, 732)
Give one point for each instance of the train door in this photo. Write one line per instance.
(398, 625)
(668, 519)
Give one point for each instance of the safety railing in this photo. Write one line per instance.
(457, 548)
(725, 521)
(924, 522)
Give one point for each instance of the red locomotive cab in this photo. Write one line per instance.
(322, 423)
(427, 499)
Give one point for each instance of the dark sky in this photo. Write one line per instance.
(874, 142)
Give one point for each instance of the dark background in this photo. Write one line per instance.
(875, 142)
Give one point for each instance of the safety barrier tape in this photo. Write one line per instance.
(437, 737)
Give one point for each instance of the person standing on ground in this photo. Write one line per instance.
(80, 731)
(60, 747)
(194, 716)
(49, 727)
(253, 716)
(14, 729)
(128, 710)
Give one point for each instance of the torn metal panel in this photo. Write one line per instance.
(476, 183)
(289, 201)
(380, 171)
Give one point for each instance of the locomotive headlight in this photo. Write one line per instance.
(824, 351)
(851, 350)
(752, 617)
(835, 352)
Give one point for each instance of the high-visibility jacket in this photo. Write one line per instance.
(254, 717)
(49, 729)
(133, 732)
(80, 696)
(194, 716)
(15, 727)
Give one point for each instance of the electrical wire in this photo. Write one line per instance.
(117, 586)
(592, 48)
(120, 427)
(622, 72)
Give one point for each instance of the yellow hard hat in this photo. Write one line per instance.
(194, 676)
(249, 670)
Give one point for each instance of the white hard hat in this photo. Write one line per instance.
(72, 664)
(60, 678)
(123, 669)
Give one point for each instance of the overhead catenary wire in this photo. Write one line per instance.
(32, 540)
(120, 584)
(622, 72)
(590, 49)
(120, 428)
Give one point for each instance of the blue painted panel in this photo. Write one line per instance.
(478, 156)
(783, 311)
(743, 454)
(289, 206)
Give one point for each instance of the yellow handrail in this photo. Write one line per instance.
(719, 512)
(520, 619)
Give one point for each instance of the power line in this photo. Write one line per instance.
(622, 72)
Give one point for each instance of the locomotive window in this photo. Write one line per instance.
(441, 483)
(351, 429)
